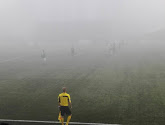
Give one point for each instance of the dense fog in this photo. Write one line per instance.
(108, 53)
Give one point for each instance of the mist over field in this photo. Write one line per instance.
(108, 53)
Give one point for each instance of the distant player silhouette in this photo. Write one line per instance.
(72, 51)
(110, 49)
(114, 48)
(43, 55)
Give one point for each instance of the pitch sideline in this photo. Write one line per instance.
(51, 122)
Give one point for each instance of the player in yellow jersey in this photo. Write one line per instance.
(64, 103)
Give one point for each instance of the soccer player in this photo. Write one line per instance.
(43, 55)
(64, 103)
(72, 51)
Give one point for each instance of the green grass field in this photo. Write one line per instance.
(127, 88)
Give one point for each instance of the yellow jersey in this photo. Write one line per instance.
(64, 99)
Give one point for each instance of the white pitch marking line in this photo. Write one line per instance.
(33, 121)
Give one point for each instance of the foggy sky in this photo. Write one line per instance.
(20, 17)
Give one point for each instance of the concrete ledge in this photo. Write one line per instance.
(33, 122)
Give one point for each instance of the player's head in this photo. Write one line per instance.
(64, 89)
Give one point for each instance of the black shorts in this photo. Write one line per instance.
(65, 110)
